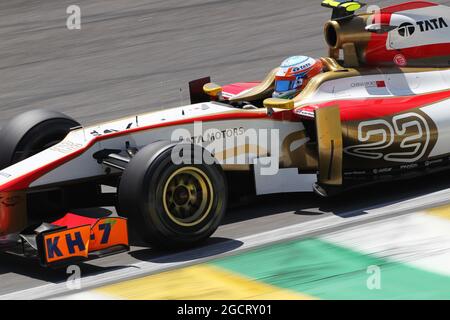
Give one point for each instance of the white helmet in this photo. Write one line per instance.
(294, 74)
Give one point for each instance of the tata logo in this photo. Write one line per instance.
(432, 24)
(407, 29)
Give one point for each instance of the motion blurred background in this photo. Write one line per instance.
(135, 55)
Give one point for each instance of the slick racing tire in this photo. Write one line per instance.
(172, 206)
(32, 132)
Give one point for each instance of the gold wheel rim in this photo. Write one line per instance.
(188, 196)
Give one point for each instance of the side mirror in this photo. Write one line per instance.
(213, 90)
(380, 28)
(279, 103)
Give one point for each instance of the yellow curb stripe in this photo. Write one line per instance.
(197, 283)
(441, 212)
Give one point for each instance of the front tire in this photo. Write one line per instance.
(172, 205)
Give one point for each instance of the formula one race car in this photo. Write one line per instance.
(379, 113)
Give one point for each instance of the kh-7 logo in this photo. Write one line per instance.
(404, 138)
(74, 241)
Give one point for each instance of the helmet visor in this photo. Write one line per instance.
(282, 85)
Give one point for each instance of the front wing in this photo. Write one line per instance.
(74, 238)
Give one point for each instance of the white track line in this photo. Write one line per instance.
(420, 240)
(248, 242)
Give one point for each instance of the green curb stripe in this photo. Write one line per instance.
(324, 270)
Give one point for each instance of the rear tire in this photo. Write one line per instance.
(172, 206)
(32, 132)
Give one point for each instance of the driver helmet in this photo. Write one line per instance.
(294, 74)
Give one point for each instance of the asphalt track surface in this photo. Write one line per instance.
(136, 56)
